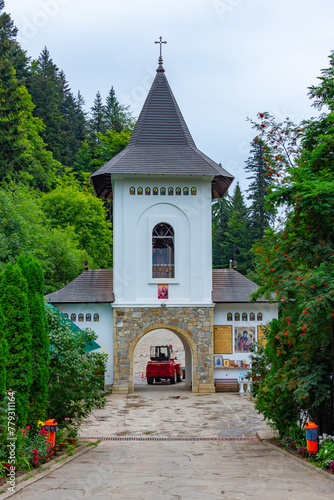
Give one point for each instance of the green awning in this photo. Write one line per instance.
(90, 346)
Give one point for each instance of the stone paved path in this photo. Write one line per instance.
(166, 469)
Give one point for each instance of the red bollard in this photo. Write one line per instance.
(311, 436)
(51, 426)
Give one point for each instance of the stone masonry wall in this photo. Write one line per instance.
(193, 324)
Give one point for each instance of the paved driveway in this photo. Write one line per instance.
(166, 443)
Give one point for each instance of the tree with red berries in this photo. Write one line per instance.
(295, 267)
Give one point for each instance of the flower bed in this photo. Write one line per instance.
(32, 449)
(323, 459)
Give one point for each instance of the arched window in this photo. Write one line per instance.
(163, 251)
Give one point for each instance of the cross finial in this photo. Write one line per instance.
(160, 42)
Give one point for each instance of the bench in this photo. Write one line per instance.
(226, 384)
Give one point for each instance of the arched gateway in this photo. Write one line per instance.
(193, 325)
(161, 186)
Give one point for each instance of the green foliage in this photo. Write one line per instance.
(3, 355)
(38, 398)
(76, 376)
(62, 115)
(68, 207)
(260, 218)
(24, 228)
(14, 304)
(295, 263)
(231, 230)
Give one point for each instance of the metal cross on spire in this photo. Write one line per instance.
(160, 42)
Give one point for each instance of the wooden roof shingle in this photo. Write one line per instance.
(93, 285)
(96, 285)
(161, 144)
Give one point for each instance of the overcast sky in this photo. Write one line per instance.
(224, 59)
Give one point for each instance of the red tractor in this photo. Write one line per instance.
(162, 366)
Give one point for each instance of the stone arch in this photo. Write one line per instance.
(194, 325)
(183, 335)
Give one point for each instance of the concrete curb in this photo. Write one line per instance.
(296, 459)
(23, 481)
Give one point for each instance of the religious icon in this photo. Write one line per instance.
(147, 191)
(218, 361)
(236, 317)
(132, 190)
(96, 317)
(66, 315)
(226, 363)
(170, 191)
(80, 317)
(244, 336)
(88, 317)
(193, 191)
(73, 317)
(259, 316)
(163, 191)
(229, 317)
(244, 316)
(251, 316)
(162, 291)
(140, 191)
(155, 191)
(178, 191)
(185, 191)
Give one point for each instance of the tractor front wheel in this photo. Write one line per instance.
(173, 379)
(150, 380)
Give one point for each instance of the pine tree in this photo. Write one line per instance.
(3, 356)
(38, 399)
(14, 304)
(258, 189)
(237, 242)
(23, 156)
(117, 117)
(97, 123)
(220, 210)
(58, 107)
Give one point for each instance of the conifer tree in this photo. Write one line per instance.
(220, 209)
(3, 356)
(117, 117)
(14, 304)
(237, 242)
(38, 399)
(260, 218)
(97, 122)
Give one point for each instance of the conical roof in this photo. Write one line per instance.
(161, 144)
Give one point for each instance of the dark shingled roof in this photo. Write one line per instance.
(93, 285)
(96, 285)
(161, 144)
(230, 286)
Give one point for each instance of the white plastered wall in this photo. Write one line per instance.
(103, 328)
(133, 221)
(269, 311)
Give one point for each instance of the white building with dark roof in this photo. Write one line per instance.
(162, 187)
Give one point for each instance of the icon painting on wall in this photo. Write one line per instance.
(162, 291)
(244, 336)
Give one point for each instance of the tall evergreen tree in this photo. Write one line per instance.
(23, 156)
(38, 398)
(117, 117)
(260, 218)
(58, 108)
(14, 304)
(220, 210)
(3, 356)
(237, 242)
(97, 123)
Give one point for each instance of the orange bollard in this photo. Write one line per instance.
(311, 437)
(51, 426)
